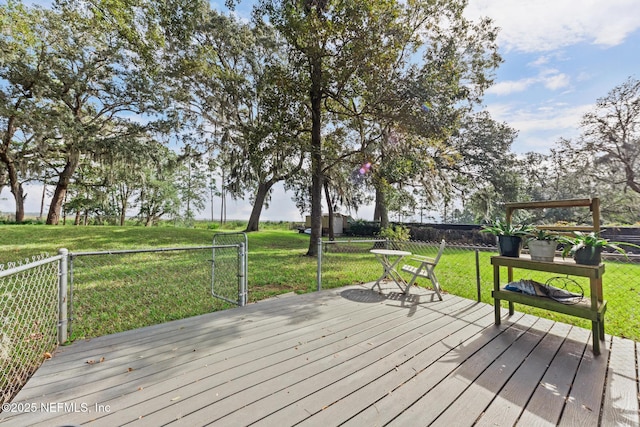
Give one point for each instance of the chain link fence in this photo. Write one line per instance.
(463, 270)
(29, 312)
(145, 287)
(466, 271)
(230, 249)
(108, 292)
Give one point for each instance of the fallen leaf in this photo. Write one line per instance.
(129, 369)
(47, 355)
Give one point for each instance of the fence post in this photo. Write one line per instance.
(319, 272)
(62, 295)
(478, 274)
(242, 278)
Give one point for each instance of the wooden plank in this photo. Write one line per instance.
(345, 397)
(483, 389)
(291, 379)
(234, 374)
(550, 204)
(306, 397)
(548, 400)
(557, 266)
(510, 402)
(582, 309)
(584, 401)
(305, 306)
(434, 401)
(235, 360)
(168, 348)
(621, 394)
(453, 350)
(333, 358)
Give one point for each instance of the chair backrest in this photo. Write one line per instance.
(437, 258)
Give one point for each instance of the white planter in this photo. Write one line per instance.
(542, 250)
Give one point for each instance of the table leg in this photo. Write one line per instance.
(496, 287)
(389, 271)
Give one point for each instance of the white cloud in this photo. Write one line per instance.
(549, 78)
(511, 86)
(540, 126)
(546, 25)
(557, 81)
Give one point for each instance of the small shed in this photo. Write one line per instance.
(340, 223)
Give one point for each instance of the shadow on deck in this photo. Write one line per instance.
(347, 356)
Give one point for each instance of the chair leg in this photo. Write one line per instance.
(435, 283)
(412, 281)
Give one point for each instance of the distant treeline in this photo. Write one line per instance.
(471, 234)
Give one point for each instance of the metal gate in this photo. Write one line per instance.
(229, 267)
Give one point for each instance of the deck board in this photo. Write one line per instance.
(621, 398)
(346, 356)
(508, 405)
(584, 402)
(483, 389)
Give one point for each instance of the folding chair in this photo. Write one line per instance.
(425, 269)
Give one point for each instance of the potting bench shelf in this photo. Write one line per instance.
(592, 308)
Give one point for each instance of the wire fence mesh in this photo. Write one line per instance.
(116, 291)
(350, 261)
(29, 316)
(145, 287)
(230, 249)
(466, 271)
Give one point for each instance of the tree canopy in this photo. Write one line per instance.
(151, 107)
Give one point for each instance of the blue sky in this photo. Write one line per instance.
(560, 56)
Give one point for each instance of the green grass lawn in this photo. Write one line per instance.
(146, 289)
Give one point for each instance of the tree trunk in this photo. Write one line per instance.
(10, 166)
(261, 195)
(53, 218)
(44, 193)
(329, 210)
(381, 213)
(14, 185)
(316, 156)
(19, 196)
(123, 211)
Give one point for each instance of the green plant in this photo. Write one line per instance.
(395, 232)
(361, 227)
(504, 228)
(539, 234)
(579, 240)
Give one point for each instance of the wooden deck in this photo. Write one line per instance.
(346, 356)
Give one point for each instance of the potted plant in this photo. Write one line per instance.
(509, 236)
(586, 248)
(542, 245)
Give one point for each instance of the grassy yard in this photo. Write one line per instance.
(109, 299)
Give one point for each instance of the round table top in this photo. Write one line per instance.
(389, 252)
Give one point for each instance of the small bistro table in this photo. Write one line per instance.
(389, 259)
